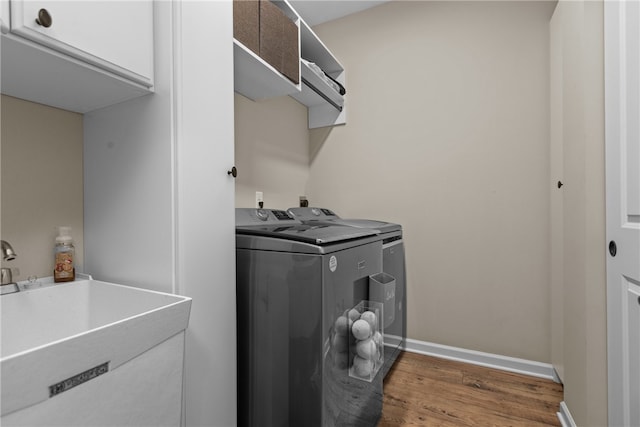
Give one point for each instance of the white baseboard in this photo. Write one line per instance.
(496, 361)
(566, 420)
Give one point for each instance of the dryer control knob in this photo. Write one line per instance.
(262, 214)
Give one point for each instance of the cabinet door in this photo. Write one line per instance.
(114, 35)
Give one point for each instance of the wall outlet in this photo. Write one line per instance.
(259, 200)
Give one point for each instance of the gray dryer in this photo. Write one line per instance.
(393, 263)
(294, 281)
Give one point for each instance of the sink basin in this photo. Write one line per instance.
(56, 333)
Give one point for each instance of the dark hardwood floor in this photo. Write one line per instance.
(427, 391)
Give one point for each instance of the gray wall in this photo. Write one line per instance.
(448, 134)
(578, 335)
(449, 116)
(41, 183)
(271, 151)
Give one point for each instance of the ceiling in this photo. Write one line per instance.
(316, 12)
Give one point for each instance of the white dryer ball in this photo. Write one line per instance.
(341, 360)
(353, 314)
(362, 367)
(371, 318)
(377, 338)
(342, 325)
(340, 343)
(361, 329)
(367, 349)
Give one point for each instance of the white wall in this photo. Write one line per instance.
(448, 134)
(41, 183)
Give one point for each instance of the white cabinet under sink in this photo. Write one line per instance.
(91, 353)
(76, 55)
(146, 390)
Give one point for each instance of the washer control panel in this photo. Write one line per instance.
(307, 214)
(251, 216)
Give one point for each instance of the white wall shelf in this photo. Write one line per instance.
(326, 106)
(256, 79)
(315, 51)
(316, 91)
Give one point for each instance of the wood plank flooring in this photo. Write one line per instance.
(429, 391)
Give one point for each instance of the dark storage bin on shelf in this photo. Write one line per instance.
(279, 41)
(246, 23)
(271, 34)
(290, 51)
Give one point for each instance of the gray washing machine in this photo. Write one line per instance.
(393, 263)
(294, 281)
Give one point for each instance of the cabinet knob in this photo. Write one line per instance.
(613, 248)
(560, 184)
(44, 18)
(233, 172)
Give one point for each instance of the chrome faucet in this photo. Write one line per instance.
(8, 254)
(7, 286)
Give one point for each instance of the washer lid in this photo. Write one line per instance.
(279, 224)
(384, 227)
(316, 234)
(316, 215)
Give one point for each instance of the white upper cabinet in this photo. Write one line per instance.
(77, 55)
(115, 35)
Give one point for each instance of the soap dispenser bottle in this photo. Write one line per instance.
(64, 270)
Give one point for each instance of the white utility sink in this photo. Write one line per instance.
(86, 327)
